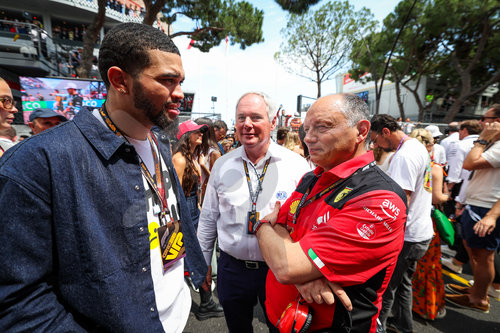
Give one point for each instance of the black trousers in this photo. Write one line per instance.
(240, 285)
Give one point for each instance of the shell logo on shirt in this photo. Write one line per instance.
(293, 206)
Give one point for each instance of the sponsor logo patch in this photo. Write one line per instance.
(390, 209)
(342, 194)
(366, 230)
(293, 206)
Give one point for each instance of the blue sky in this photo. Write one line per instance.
(227, 75)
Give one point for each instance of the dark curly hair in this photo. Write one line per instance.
(191, 174)
(127, 46)
(381, 121)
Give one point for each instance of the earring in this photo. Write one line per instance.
(123, 91)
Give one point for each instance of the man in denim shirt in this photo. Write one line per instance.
(93, 223)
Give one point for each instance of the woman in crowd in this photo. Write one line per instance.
(292, 142)
(186, 158)
(209, 152)
(428, 285)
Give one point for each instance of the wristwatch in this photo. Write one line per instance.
(259, 224)
(482, 142)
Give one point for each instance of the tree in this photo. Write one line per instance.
(317, 44)
(90, 38)
(216, 19)
(296, 6)
(469, 33)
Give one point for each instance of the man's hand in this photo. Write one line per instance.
(491, 132)
(485, 226)
(273, 216)
(321, 290)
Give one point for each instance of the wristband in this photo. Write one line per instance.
(259, 224)
(482, 142)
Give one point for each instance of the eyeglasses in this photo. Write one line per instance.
(483, 118)
(8, 102)
(374, 140)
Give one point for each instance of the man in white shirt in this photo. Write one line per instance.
(244, 186)
(468, 133)
(452, 136)
(410, 168)
(482, 236)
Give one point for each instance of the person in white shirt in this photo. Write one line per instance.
(468, 132)
(410, 167)
(243, 186)
(482, 236)
(452, 137)
(438, 153)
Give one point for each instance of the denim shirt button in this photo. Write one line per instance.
(144, 269)
(127, 150)
(152, 309)
(137, 187)
(141, 229)
(163, 136)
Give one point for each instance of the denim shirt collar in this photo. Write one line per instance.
(101, 138)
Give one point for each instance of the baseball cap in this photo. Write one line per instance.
(434, 130)
(70, 85)
(190, 126)
(45, 113)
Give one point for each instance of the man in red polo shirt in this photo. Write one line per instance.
(343, 225)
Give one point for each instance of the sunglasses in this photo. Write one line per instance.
(8, 103)
(483, 118)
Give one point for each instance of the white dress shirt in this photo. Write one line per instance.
(458, 152)
(227, 199)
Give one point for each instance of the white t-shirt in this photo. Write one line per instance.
(227, 199)
(445, 143)
(458, 152)
(439, 154)
(410, 167)
(173, 298)
(484, 187)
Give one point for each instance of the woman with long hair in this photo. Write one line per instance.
(209, 152)
(186, 158)
(428, 285)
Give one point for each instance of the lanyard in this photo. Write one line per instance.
(156, 184)
(303, 202)
(399, 146)
(254, 195)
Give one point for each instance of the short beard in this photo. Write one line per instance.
(141, 102)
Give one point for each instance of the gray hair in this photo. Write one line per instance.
(354, 108)
(271, 109)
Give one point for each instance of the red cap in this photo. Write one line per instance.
(190, 126)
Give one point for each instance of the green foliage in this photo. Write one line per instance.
(455, 42)
(214, 20)
(296, 6)
(316, 44)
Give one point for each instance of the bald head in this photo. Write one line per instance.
(336, 128)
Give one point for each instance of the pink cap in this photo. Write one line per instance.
(190, 126)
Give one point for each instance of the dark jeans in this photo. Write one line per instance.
(194, 210)
(239, 288)
(398, 295)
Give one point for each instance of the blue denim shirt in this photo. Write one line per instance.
(74, 240)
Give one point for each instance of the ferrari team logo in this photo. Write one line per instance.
(342, 194)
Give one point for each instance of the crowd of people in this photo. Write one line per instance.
(108, 220)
